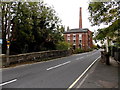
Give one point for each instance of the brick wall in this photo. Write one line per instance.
(86, 39)
(71, 38)
(90, 39)
(65, 37)
(77, 40)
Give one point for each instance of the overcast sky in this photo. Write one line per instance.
(68, 12)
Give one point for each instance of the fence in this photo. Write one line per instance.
(115, 52)
(105, 57)
(35, 56)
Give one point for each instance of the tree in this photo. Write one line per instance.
(34, 27)
(6, 23)
(107, 13)
(22, 28)
(63, 46)
(104, 12)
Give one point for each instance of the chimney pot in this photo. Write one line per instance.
(68, 28)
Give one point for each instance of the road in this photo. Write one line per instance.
(58, 73)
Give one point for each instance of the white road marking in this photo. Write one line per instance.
(14, 80)
(80, 54)
(58, 65)
(71, 86)
(79, 58)
(93, 53)
(82, 81)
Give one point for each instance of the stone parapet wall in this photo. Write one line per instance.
(35, 56)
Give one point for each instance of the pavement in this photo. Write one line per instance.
(102, 76)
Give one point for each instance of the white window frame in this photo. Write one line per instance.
(80, 36)
(68, 36)
(68, 41)
(80, 42)
(74, 36)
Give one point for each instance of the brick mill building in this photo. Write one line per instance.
(79, 37)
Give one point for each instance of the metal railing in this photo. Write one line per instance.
(115, 52)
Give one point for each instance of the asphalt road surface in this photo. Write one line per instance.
(58, 73)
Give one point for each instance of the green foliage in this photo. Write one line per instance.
(89, 49)
(78, 50)
(103, 46)
(101, 34)
(94, 47)
(103, 12)
(63, 46)
(107, 13)
(34, 27)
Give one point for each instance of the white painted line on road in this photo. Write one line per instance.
(14, 80)
(88, 55)
(94, 53)
(82, 81)
(79, 58)
(80, 54)
(58, 65)
(71, 86)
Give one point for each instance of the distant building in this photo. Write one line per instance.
(80, 37)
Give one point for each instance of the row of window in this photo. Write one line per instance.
(74, 36)
(74, 41)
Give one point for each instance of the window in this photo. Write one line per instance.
(80, 41)
(68, 41)
(74, 41)
(74, 47)
(74, 36)
(80, 36)
(68, 36)
(80, 46)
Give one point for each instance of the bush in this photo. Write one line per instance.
(103, 47)
(78, 50)
(63, 46)
(90, 49)
(94, 47)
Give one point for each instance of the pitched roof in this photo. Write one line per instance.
(76, 30)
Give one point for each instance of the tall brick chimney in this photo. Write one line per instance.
(80, 18)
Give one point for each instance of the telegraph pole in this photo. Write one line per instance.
(8, 36)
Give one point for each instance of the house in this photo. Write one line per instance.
(79, 37)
